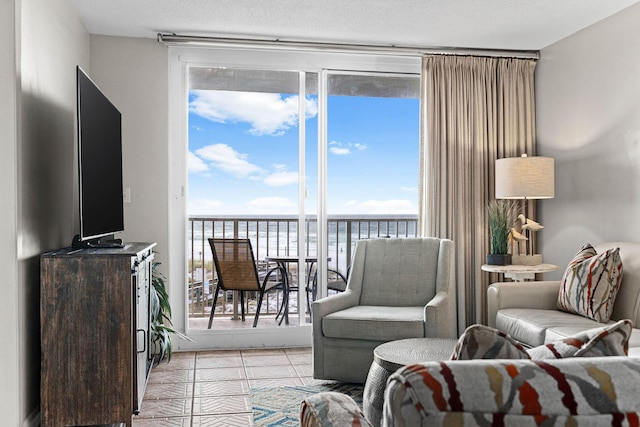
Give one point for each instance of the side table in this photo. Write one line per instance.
(391, 356)
(520, 273)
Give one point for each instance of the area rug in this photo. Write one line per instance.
(280, 406)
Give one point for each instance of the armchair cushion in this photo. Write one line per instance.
(375, 323)
(590, 284)
(400, 272)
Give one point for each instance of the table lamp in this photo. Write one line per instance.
(525, 178)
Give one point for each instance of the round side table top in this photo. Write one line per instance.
(395, 354)
(520, 273)
(513, 268)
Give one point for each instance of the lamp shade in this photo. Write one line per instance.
(524, 178)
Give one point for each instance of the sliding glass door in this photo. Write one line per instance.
(246, 157)
(372, 146)
(302, 161)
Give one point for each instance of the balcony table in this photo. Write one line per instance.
(283, 263)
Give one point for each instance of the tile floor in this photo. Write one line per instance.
(211, 388)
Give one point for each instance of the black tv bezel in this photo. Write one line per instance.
(93, 237)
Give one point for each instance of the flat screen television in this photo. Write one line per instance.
(100, 166)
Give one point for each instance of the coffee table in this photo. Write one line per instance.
(391, 356)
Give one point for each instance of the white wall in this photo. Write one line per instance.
(39, 170)
(588, 119)
(133, 73)
(50, 41)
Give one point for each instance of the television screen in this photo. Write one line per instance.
(99, 161)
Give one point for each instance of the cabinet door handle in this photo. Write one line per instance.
(144, 336)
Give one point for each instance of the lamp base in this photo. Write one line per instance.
(526, 259)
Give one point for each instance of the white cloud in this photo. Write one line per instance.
(227, 159)
(344, 148)
(339, 151)
(281, 178)
(267, 113)
(271, 205)
(195, 164)
(204, 206)
(379, 207)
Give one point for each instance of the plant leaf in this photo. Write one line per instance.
(160, 322)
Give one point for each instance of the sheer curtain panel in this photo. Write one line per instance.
(474, 111)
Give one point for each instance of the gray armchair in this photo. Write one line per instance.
(398, 288)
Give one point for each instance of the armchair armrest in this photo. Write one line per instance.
(440, 317)
(333, 303)
(320, 309)
(540, 295)
(328, 305)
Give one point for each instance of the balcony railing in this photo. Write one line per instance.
(278, 235)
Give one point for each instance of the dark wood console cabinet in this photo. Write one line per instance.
(94, 320)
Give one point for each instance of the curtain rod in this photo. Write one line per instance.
(183, 40)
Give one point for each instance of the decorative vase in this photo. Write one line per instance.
(499, 259)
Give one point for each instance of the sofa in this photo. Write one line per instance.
(580, 391)
(527, 311)
(559, 392)
(577, 391)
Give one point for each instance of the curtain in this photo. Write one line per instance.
(474, 110)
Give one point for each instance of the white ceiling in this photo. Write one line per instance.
(488, 24)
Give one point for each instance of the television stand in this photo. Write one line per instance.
(94, 334)
(100, 242)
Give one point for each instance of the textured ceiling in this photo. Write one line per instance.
(488, 24)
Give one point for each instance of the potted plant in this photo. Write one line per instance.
(160, 312)
(501, 217)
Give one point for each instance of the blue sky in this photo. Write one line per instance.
(243, 154)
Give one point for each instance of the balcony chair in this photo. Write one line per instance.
(237, 271)
(397, 288)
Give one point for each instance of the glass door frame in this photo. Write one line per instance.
(180, 59)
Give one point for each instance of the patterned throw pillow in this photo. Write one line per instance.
(590, 284)
(331, 408)
(483, 342)
(610, 340)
